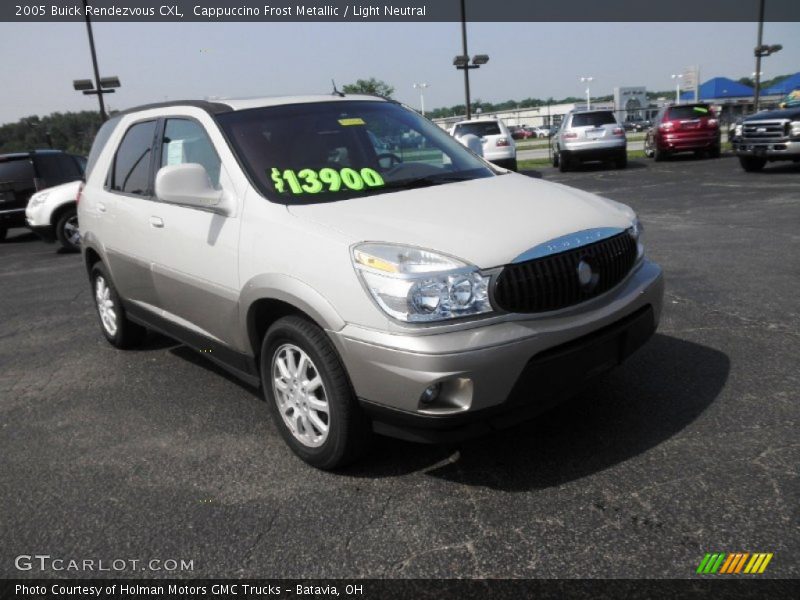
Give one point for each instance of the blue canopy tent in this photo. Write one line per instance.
(783, 87)
(720, 87)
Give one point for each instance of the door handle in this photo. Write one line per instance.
(101, 207)
(156, 222)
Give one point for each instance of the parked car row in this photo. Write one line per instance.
(33, 193)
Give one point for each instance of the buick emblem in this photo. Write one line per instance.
(586, 275)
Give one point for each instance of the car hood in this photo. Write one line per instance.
(786, 113)
(486, 222)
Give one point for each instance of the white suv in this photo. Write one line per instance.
(412, 292)
(53, 214)
(498, 145)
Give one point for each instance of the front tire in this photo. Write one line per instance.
(67, 230)
(310, 396)
(117, 328)
(658, 154)
(752, 164)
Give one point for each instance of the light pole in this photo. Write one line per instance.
(461, 61)
(760, 51)
(421, 87)
(588, 81)
(677, 79)
(104, 84)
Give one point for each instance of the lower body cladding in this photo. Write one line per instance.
(12, 217)
(451, 386)
(588, 153)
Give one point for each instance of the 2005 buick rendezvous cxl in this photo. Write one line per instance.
(364, 283)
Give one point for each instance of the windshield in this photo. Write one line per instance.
(689, 112)
(325, 151)
(594, 119)
(479, 128)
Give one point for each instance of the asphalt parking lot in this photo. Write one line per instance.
(690, 447)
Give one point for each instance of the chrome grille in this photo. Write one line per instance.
(552, 282)
(765, 131)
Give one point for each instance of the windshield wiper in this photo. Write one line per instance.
(428, 180)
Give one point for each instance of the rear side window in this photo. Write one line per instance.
(99, 143)
(54, 169)
(479, 129)
(594, 119)
(689, 112)
(18, 169)
(131, 170)
(186, 141)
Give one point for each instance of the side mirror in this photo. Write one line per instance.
(189, 184)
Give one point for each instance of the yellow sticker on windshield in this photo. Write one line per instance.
(352, 121)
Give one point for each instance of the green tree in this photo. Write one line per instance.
(369, 86)
(72, 132)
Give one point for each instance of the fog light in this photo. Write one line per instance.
(430, 394)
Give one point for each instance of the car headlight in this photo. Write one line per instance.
(417, 285)
(38, 199)
(795, 130)
(737, 131)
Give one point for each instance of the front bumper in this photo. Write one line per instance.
(12, 217)
(500, 372)
(780, 150)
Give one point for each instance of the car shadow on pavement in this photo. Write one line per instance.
(655, 395)
(193, 356)
(589, 167)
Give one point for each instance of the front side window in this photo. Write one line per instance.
(186, 141)
(326, 151)
(131, 169)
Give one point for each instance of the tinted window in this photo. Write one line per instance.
(54, 169)
(131, 170)
(186, 141)
(689, 112)
(99, 143)
(18, 169)
(594, 119)
(480, 128)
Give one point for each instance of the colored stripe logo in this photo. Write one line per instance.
(734, 563)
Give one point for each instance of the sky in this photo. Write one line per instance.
(170, 61)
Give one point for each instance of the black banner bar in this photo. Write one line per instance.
(276, 11)
(717, 587)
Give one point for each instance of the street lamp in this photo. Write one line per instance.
(587, 81)
(677, 79)
(105, 85)
(421, 87)
(461, 61)
(761, 50)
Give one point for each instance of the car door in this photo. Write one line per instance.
(122, 208)
(196, 270)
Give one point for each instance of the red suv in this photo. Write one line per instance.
(683, 128)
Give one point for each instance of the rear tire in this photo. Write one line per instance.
(752, 164)
(564, 163)
(621, 162)
(715, 152)
(659, 155)
(67, 230)
(555, 159)
(117, 328)
(338, 431)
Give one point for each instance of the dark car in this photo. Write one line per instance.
(683, 128)
(766, 137)
(24, 173)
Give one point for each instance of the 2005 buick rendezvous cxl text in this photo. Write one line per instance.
(363, 267)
